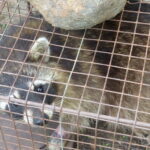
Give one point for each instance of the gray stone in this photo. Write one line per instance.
(77, 14)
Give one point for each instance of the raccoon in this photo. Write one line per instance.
(76, 76)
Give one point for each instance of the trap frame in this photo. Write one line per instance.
(13, 134)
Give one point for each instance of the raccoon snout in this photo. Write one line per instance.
(41, 122)
(34, 116)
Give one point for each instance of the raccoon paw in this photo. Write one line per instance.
(55, 144)
(40, 47)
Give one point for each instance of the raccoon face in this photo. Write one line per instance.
(35, 91)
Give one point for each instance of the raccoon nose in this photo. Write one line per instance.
(41, 122)
(38, 122)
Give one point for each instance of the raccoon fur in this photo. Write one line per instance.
(77, 76)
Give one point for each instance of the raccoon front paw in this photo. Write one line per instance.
(57, 139)
(55, 144)
(39, 48)
(34, 57)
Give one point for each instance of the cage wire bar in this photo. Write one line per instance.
(19, 135)
(4, 140)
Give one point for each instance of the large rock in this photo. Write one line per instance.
(77, 14)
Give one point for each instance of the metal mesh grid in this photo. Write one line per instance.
(119, 45)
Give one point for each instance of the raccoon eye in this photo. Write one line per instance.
(39, 88)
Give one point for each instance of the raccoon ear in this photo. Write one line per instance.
(40, 46)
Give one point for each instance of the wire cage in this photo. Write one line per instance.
(89, 92)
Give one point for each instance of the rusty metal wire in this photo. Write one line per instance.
(133, 23)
